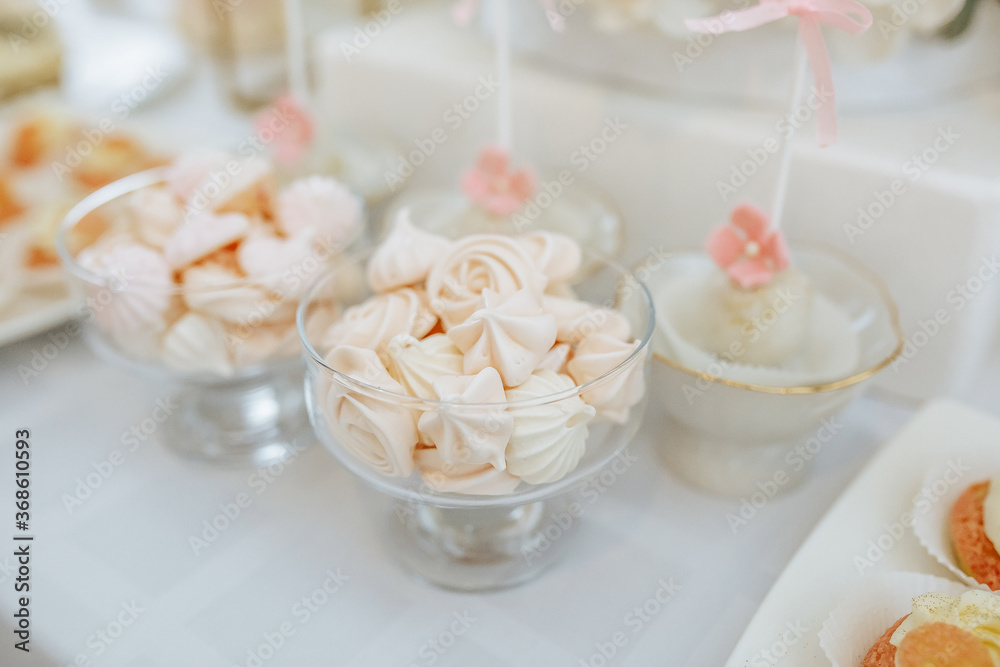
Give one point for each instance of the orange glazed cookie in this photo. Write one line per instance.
(882, 653)
(976, 554)
(942, 645)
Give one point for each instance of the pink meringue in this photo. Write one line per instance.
(215, 290)
(511, 334)
(191, 170)
(473, 264)
(381, 433)
(202, 235)
(578, 319)
(154, 215)
(323, 204)
(197, 344)
(463, 429)
(405, 257)
(556, 255)
(416, 364)
(373, 323)
(478, 480)
(594, 357)
(549, 439)
(137, 288)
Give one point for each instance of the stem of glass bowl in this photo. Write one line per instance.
(247, 422)
(480, 548)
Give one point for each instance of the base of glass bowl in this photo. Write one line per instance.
(480, 548)
(737, 468)
(248, 422)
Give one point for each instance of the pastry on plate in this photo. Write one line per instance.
(974, 528)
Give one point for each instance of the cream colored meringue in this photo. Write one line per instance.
(197, 344)
(473, 264)
(595, 356)
(137, 287)
(191, 170)
(249, 191)
(556, 255)
(578, 319)
(279, 263)
(405, 257)
(153, 215)
(202, 235)
(249, 346)
(373, 323)
(416, 364)
(556, 358)
(477, 480)
(377, 431)
(218, 291)
(463, 428)
(322, 204)
(511, 334)
(550, 439)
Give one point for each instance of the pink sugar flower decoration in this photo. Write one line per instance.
(493, 186)
(749, 250)
(292, 127)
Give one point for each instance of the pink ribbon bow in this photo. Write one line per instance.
(492, 184)
(291, 128)
(811, 13)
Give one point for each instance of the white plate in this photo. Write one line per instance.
(35, 309)
(845, 547)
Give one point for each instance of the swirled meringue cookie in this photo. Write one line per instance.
(512, 334)
(463, 429)
(596, 355)
(383, 434)
(191, 170)
(415, 364)
(405, 257)
(550, 439)
(216, 290)
(322, 204)
(249, 191)
(273, 261)
(197, 344)
(476, 263)
(154, 215)
(578, 319)
(556, 255)
(202, 235)
(478, 480)
(137, 286)
(374, 322)
(252, 345)
(556, 358)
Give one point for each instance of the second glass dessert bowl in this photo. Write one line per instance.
(477, 526)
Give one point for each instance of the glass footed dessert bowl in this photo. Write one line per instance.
(493, 198)
(477, 392)
(750, 375)
(190, 274)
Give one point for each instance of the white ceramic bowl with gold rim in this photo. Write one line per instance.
(735, 438)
